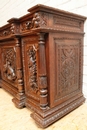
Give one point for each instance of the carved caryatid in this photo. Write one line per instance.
(13, 28)
(39, 20)
(32, 65)
(9, 68)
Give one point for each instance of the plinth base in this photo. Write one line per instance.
(54, 116)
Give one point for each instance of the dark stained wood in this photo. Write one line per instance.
(41, 62)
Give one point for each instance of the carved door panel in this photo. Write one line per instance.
(30, 66)
(65, 67)
(8, 66)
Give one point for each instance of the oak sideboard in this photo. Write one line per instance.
(41, 58)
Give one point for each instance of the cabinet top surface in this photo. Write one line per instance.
(49, 9)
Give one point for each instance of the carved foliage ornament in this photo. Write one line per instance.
(9, 67)
(32, 66)
(5, 33)
(11, 30)
(38, 20)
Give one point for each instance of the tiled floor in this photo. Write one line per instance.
(12, 118)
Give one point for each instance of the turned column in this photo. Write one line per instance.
(19, 100)
(42, 72)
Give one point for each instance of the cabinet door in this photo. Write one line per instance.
(65, 64)
(30, 67)
(8, 63)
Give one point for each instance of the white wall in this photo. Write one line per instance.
(17, 8)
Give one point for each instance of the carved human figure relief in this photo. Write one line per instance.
(32, 65)
(9, 67)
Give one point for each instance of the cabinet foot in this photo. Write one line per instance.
(19, 101)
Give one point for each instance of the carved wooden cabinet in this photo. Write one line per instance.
(41, 62)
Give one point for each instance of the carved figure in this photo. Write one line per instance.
(32, 68)
(28, 24)
(36, 20)
(9, 64)
(12, 28)
(9, 71)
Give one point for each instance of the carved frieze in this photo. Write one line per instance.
(9, 67)
(13, 29)
(38, 20)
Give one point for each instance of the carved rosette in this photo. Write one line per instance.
(32, 67)
(9, 67)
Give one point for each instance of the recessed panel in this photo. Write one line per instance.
(67, 66)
